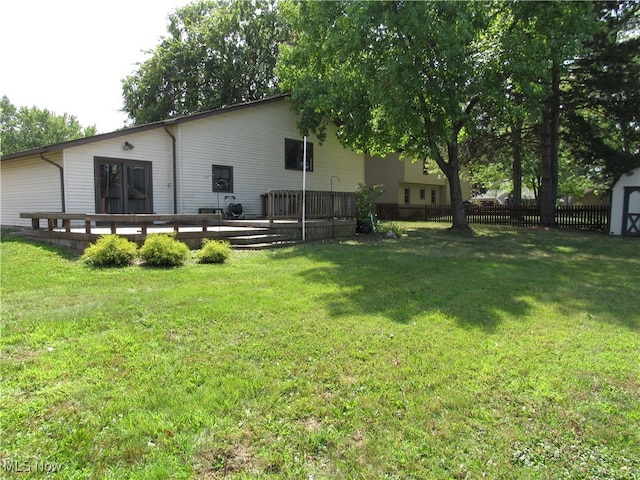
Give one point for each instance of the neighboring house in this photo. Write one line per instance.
(625, 205)
(177, 166)
(591, 197)
(408, 183)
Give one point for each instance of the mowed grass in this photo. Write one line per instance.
(506, 354)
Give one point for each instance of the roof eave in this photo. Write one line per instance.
(127, 131)
(80, 141)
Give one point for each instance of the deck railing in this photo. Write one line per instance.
(113, 220)
(287, 204)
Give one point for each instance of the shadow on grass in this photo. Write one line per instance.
(478, 279)
(14, 235)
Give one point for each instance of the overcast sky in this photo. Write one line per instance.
(69, 56)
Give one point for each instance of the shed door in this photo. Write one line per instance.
(631, 212)
(123, 186)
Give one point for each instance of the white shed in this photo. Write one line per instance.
(625, 205)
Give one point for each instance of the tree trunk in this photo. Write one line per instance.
(451, 169)
(550, 145)
(516, 146)
(457, 202)
(516, 143)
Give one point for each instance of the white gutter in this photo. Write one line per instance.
(61, 169)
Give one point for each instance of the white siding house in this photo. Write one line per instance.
(168, 167)
(406, 182)
(29, 184)
(625, 205)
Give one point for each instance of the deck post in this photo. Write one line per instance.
(270, 205)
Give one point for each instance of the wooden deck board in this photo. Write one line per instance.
(191, 229)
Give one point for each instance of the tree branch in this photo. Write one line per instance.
(472, 103)
(457, 126)
(431, 143)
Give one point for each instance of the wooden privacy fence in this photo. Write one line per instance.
(287, 204)
(593, 217)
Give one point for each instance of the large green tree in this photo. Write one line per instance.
(23, 128)
(217, 53)
(603, 105)
(541, 42)
(393, 76)
(591, 99)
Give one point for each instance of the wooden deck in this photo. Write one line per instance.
(77, 231)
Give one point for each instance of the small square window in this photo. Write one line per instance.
(293, 153)
(222, 178)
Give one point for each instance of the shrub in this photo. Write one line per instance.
(214, 251)
(390, 230)
(163, 250)
(111, 251)
(365, 206)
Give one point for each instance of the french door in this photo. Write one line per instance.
(123, 186)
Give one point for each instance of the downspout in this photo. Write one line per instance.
(64, 208)
(175, 170)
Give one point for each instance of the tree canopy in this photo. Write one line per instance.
(603, 96)
(521, 139)
(24, 128)
(216, 53)
(553, 84)
(394, 76)
(545, 92)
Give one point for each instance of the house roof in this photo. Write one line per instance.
(57, 147)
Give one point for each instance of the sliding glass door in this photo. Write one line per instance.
(123, 186)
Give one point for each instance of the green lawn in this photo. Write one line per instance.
(507, 354)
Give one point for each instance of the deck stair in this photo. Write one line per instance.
(260, 241)
(253, 238)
